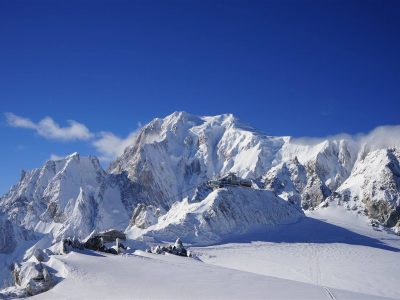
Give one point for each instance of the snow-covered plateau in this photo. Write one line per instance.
(319, 221)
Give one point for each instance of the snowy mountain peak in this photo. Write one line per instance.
(172, 121)
(156, 190)
(61, 191)
(174, 155)
(173, 158)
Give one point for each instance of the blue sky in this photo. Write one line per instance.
(302, 68)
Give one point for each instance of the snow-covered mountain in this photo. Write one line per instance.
(311, 172)
(224, 213)
(171, 160)
(374, 185)
(68, 197)
(156, 190)
(173, 157)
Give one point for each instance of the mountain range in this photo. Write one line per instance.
(157, 188)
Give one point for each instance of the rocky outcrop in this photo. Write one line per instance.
(12, 234)
(175, 249)
(323, 168)
(145, 216)
(374, 186)
(32, 278)
(288, 180)
(8, 241)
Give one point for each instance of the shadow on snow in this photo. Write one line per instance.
(309, 230)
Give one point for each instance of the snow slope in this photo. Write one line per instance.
(149, 276)
(331, 247)
(331, 254)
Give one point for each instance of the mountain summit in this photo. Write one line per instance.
(172, 159)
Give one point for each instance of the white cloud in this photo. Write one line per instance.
(50, 129)
(381, 137)
(17, 121)
(107, 144)
(110, 146)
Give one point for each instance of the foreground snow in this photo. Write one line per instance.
(331, 254)
(143, 276)
(331, 247)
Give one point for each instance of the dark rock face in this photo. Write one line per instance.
(383, 212)
(69, 244)
(7, 237)
(176, 249)
(145, 215)
(302, 184)
(111, 235)
(40, 255)
(201, 192)
(315, 193)
(95, 242)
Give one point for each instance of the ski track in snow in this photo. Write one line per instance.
(328, 291)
